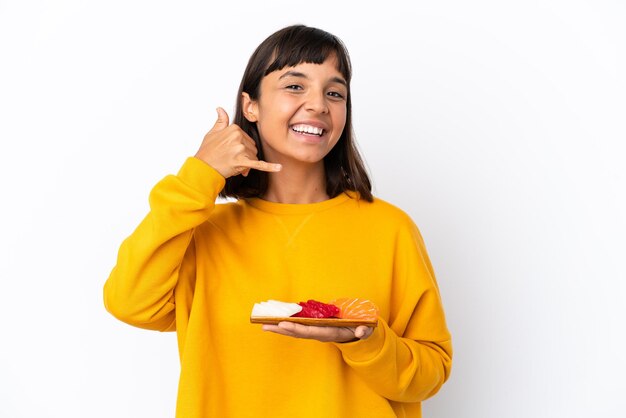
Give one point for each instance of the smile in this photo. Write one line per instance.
(308, 129)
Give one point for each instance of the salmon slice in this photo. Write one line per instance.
(356, 308)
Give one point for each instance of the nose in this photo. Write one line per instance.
(316, 102)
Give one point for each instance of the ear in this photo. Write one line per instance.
(249, 107)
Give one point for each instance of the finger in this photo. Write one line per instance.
(359, 332)
(250, 146)
(314, 332)
(242, 170)
(362, 332)
(251, 154)
(278, 330)
(261, 165)
(270, 327)
(222, 120)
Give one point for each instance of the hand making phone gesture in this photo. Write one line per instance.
(230, 151)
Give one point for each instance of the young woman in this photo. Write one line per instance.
(305, 226)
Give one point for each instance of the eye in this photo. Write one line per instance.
(336, 95)
(294, 87)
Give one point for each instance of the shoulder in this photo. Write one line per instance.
(386, 212)
(381, 218)
(224, 216)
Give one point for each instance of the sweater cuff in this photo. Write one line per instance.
(365, 350)
(201, 176)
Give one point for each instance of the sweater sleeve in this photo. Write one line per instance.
(408, 358)
(140, 288)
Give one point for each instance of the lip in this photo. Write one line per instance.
(315, 123)
(307, 138)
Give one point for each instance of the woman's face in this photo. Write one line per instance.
(300, 113)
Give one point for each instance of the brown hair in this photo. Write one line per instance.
(288, 47)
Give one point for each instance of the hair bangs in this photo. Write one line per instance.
(311, 46)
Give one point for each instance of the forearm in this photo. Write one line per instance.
(400, 369)
(140, 288)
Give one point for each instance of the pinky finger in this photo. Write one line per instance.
(263, 166)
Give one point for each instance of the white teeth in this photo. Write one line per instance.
(308, 129)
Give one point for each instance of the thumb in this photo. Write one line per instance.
(222, 120)
(362, 332)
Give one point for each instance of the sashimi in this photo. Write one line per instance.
(316, 309)
(356, 308)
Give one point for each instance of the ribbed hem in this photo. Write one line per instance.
(365, 350)
(201, 176)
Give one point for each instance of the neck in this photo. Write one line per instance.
(297, 183)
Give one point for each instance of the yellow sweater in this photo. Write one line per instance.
(197, 267)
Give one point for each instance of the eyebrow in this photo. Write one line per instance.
(302, 75)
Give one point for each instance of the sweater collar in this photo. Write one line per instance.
(298, 209)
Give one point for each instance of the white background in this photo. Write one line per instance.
(499, 126)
